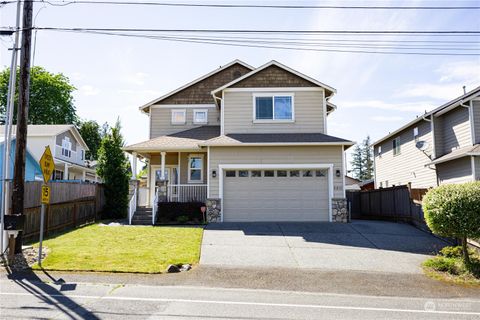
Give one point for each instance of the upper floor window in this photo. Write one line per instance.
(273, 108)
(379, 151)
(66, 147)
(200, 116)
(415, 133)
(195, 168)
(396, 146)
(179, 116)
(82, 154)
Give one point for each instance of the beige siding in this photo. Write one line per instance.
(308, 109)
(476, 120)
(409, 165)
(161, 120)
(277, 155)
(454, 128)
(455, 171)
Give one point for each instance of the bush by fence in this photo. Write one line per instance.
(72, 204)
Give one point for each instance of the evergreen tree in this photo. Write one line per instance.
(114, 168)
(367, 152)
(357, 162)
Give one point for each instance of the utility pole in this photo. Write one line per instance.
(8, 130)
(22, 117)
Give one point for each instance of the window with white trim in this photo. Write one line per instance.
(195, 168)
(66, 147)
(415, 133)
(379, 151)
(273, 108)
(179, 116)
(200, 116)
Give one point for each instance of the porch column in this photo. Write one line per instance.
(84, 175)
(65, 171)
(134, 166)
(162, 175)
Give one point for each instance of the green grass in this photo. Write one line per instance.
(122, 249)
(449, 267)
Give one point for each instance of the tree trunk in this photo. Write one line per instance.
(466, 257)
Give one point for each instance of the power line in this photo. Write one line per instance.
(257, 6)
(249, 45)
(249, 31)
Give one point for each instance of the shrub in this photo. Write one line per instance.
(454, 252)
(453, 211)
(173, 211)
(443, 264)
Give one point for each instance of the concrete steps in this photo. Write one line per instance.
(143, 216)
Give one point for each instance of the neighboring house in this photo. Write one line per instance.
(352, 183)
(68, 149)
(33, 172)
(439, 147)
(254, 139)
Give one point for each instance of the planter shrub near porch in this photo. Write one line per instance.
(180, 212)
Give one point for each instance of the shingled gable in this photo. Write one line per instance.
(274, 74)
(198, 91)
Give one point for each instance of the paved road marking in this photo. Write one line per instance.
(262, 304)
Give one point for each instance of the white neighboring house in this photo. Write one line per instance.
(68, 149)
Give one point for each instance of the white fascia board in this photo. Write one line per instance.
(183, 106)
(143, 107)
(149, 150)
(79, 138)
(278, 64)
(280, 144)
(273, 89)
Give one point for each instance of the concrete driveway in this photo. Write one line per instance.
(361, 246)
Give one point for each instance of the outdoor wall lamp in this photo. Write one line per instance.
(214, 173)
(337, 172)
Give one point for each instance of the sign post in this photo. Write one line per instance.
(47, 165)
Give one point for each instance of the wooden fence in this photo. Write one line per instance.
(72, 204)
(395, 203)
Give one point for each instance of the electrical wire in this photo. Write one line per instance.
(320, 48)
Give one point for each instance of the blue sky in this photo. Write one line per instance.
(375, 93)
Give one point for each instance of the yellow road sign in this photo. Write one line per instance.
(47, 164)
(45, 194)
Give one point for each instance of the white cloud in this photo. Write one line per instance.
(89, 90)
(452, 78)
(386, 118)
(420, 106)
(137, 78)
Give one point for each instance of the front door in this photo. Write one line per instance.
(171, 174)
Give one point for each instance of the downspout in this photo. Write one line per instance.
(432, 129)
(221, 111)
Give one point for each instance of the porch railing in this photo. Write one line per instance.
(187, 192)
(132, 206)
(155, 207)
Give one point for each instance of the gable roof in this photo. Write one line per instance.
(236, 61)
(440, 110)
(47, 130)
(282, 66)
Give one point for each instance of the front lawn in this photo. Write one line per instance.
(122, 248)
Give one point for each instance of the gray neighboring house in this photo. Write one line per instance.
(253, 139)
(439, 147)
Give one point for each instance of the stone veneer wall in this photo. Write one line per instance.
(214, 210)
(340, 210)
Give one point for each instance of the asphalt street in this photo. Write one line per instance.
(34, 299)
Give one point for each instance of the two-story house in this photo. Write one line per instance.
(67, 147)
(439, 147)
(252, 139)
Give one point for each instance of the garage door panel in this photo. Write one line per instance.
(278, 198)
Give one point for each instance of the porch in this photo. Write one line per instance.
(184, 174)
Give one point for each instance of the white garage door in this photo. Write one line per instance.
(275, 195)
